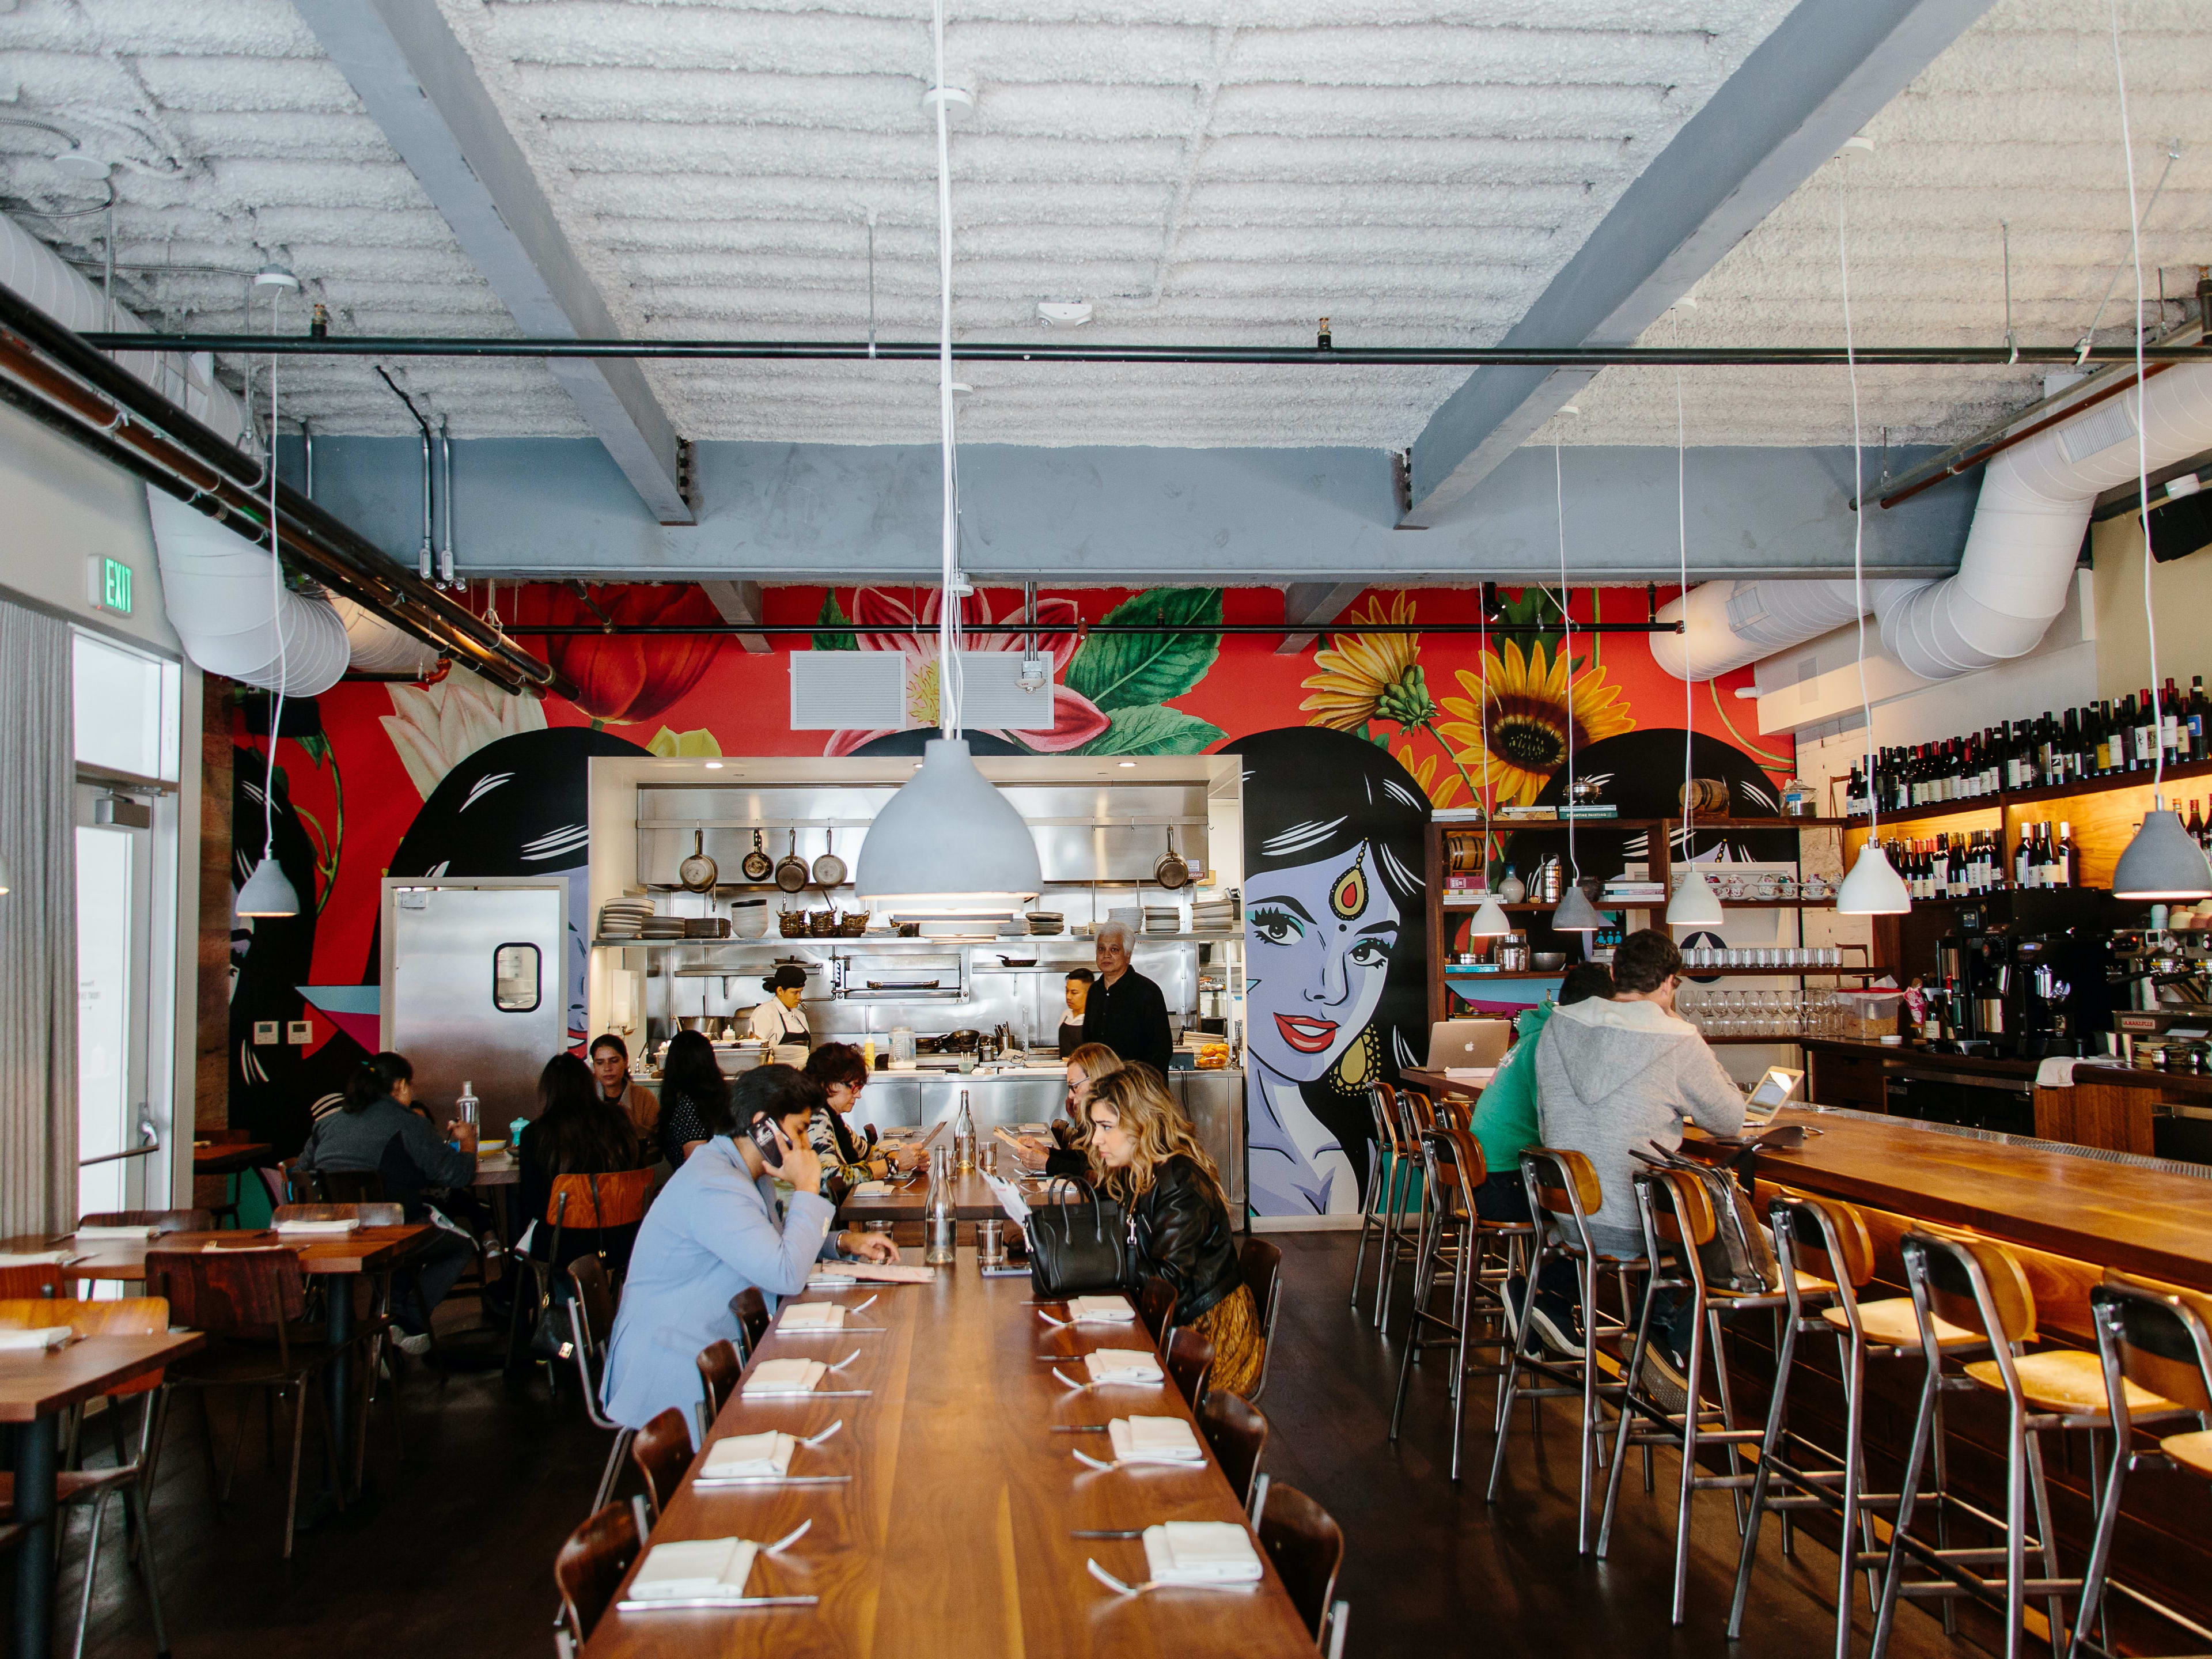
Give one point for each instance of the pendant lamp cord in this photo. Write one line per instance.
(948, 611)
(2142, 437)
(1567, 645)
(1858, 523)
(276, 610)
(1682, 540)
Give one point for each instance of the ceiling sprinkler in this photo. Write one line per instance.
(275, 276)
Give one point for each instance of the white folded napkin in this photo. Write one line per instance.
(1154, 1440)
(2055, 1072)
(1200, 1553)
(780, 1376)
(738, 1455)
(698, 1567)
(37, 1339)
(873, 1189)
(1107, 1309)
(138, 1233)
(345, 1224)
(33, 1259)
(811, 1316)
(1123, 1365)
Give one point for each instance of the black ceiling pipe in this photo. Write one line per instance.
(563, 629)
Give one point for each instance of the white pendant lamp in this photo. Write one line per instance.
(1874, 888)
(1489, 921)
(1575, 913)
(266, 893)
(948, 840)
(2161, 862)
(1694, 903)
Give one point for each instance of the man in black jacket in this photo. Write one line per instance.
(1125, 1010)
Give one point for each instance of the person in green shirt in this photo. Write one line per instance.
(1505, 1123)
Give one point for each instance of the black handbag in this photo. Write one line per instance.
(1076, 1249)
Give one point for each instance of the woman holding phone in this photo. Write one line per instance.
(715, 1230)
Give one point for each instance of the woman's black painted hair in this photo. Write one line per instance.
(690, 1070)
(838, 1062)
(773, 1092)
(372, 1080)
(578, 1129)
(609, 1040)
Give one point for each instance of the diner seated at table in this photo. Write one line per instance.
(842, 1072)
(717, 1229)
(611, 1070)
(376, 1130)
(1068, 1153)
(1148, 1157)
(578, 1131)
(693, 1095)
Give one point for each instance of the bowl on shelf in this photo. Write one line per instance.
(1549, 961)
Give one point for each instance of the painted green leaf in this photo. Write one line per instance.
(1153, 728)
(836, 626)
(1131, 671)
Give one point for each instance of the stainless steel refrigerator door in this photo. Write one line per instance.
(475, 989)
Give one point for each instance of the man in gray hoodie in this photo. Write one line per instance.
(1616, 1078)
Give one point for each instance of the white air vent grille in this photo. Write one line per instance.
(2098, 431)
(992, 698)
(848, 690)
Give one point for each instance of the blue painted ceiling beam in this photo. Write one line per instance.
(783, 512)
(1824, 71)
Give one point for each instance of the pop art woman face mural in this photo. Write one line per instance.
(1331, 972)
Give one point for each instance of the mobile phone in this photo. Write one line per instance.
(768, 1135)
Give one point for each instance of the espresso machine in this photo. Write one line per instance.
(2022, 996)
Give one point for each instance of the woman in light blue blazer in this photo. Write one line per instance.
(715, 1229)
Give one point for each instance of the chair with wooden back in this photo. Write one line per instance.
(33, 1278)
(252, 1305)
(1259, 1264)
(590, 1567)
(346, 1186)
(142, 1315)
(1190, 1358)
(749, 1309)
(1306, 1546)
(618, 1198)
(161, 1221)
(720, 1368)
(1237, 1434)
(1156, 1303)
(662, 1452)
(591, 1323)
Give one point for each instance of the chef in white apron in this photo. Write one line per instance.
(777, 1022)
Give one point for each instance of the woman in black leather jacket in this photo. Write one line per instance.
(1148, 1159)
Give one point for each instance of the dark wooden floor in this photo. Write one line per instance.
(451, 1554)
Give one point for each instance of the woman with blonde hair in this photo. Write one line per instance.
(1086, 1065)
(1147, 1157)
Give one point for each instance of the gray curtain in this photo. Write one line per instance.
(38, 926)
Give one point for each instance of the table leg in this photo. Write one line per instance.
(36, 1446)
(337, 1302)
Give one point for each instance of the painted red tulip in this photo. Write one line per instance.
(622, 677)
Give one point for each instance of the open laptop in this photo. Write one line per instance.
(1458, 1044)
(1771, 1093)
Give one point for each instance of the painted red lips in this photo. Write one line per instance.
(1308, 1037)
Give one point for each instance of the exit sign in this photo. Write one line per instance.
(108, 584)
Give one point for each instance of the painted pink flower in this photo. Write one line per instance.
(1076, 719)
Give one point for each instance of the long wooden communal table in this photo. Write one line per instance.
(972, 1198)
(35, 1390)
(952, 1536)
(2068, 1213)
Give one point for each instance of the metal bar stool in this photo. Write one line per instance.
(1832, 1236)
(1382, 1173)
(1977, 1284)
(1563, 1190)
(1406, 1113)
(1677, 1212)
(2154, 1338)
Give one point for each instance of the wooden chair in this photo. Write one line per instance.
(253, 1306)
(749, 1309)
(161, 1221)
(1237, 1434)
(721, 1366)
(1156, 1301)
(144, 1316)
(39, 1279)
(662, 1452)
(1307, 1547)
(590, 1567)
(615, 1199)
(1190, 1358)
(591, 1323)
(1260, 1265)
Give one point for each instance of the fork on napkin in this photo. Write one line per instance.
(1095, 1310)
(705, 1572)
(811, 1316)
(1191, 1555)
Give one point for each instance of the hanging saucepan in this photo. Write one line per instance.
(1171, 871)
(791, 869)
(697, 872)
(829, 869)
(757, 864)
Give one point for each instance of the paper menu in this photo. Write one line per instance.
(784, 1376)
(1010, 1197)
(887, 1273)
(697, 1567)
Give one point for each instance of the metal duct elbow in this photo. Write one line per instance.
(379, 648)
(233, 620)
(1727, 624)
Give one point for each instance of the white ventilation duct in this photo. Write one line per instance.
(2012, 577)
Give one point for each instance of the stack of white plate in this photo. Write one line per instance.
(1214, 914)
(622, 918)
(1047, 921)
(1162, 918)
(1128, 915)
(661, 927)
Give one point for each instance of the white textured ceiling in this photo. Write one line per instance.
(1203, 172)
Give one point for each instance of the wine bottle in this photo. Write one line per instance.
(2194, 732)
(2147, 738)
(2169, 722)
(2067, 860)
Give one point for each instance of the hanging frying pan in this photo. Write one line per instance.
(791, 869)
(829, 869)
(697, 872)
(1171, 871)
(757, 864)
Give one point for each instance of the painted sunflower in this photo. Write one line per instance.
(1529, 708)
(1366, 677)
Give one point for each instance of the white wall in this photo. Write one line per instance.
(2181, 591)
